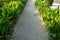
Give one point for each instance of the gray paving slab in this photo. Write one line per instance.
(28, 26)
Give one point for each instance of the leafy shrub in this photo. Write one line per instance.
(51, 17)
(49, 2)
(8, 15)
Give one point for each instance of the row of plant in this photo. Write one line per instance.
(51, 17)
(9, 12)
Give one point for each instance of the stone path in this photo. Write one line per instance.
(28, 26)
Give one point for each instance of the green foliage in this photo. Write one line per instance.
(49, 2)
(51, 17)
(9, 12)
(23, 1)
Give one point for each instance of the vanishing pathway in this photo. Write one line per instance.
(28, 26)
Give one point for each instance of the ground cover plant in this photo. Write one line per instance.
(51, 17)
(9, 12)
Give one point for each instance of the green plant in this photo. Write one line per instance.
(51, 17)
(9, 12)
(49, 2)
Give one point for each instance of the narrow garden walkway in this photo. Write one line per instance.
(28, 26)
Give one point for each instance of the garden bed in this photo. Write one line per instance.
(51, 18)
(9, 12)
